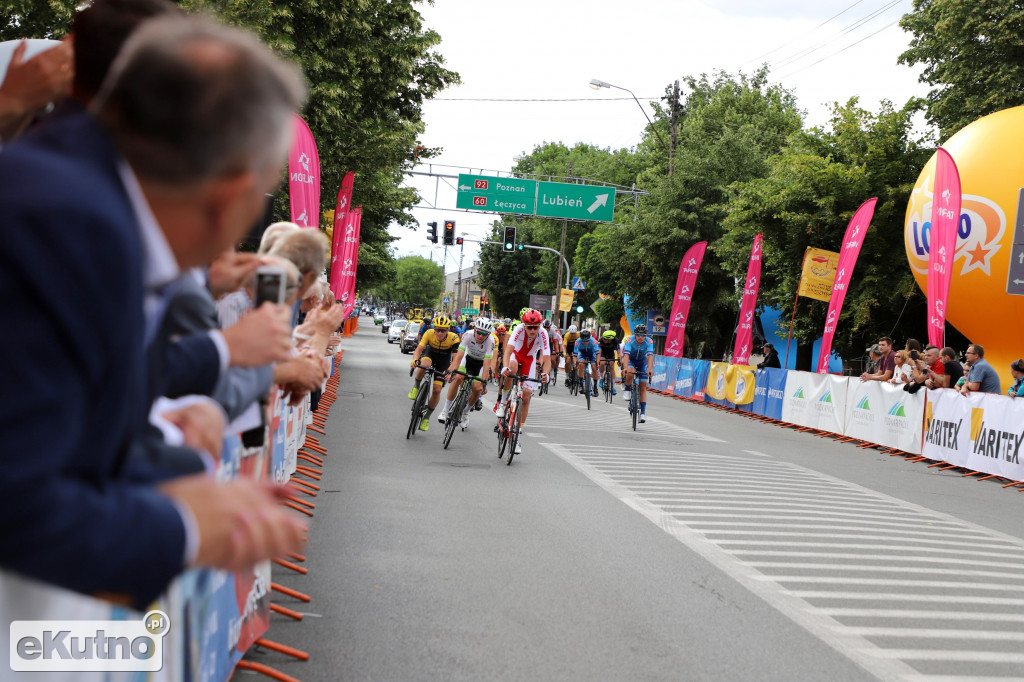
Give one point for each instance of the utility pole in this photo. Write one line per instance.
(675, 126)
(561, 252)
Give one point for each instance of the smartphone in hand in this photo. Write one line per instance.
(270, 284)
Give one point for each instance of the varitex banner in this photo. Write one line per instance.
(981, 432)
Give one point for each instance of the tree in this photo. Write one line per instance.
(973, 57)
(729, 127)
(37, 19)
(807, 199)
(418, 281)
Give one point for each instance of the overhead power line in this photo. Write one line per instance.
(793, 73)
(807, 51)
(787, 44)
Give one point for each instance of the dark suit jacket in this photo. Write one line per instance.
(193, 311)
(72, 364)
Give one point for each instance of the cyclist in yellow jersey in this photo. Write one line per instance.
(435, 349)
(569, 346)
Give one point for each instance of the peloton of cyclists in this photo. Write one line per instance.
(527, 353)
(638, 360)
(434, 350)
(586, 352)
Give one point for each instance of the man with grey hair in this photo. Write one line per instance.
(308, 249)
(101, 213)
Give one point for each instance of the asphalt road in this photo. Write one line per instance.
(704, 546)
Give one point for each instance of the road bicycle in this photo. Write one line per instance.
(572, 379)
(634, 402)
(585, 383)
(459, 407)
(609, 381)
(509, 426)
(419, 405)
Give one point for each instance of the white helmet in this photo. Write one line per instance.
(572, 329)
(482, 324)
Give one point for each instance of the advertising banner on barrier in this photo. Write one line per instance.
(691, 375)
(740, 384)
(981, 432)
(716, 388)
(883, 413)
(661, 380)
(817, 401)
(769, 389)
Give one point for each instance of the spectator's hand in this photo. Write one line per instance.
(230, 270)
(32, 84)
(295, 393)
(239, 523)
(261, 337)
(299, 373)
(203, 426)
(328, 320)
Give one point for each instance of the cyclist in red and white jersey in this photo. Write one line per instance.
(527, 352)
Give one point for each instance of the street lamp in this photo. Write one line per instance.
(598, 84)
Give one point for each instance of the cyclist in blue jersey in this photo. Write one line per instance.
(586, 351)
(638, 360)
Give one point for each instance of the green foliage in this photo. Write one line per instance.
(973, 57)
(807, 198)
(418, 281)
(728, 129)
(610, 311)
(36, 19)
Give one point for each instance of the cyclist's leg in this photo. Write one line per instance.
(453, 389)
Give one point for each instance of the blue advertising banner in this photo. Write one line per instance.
(769, 390)
(660, 379)
(691, 375)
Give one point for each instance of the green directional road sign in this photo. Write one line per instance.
(470, 311)
(501, 195)
(575, 202)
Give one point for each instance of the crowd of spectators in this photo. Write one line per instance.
(137, 346)
(915, 367)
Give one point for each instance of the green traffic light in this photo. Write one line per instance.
(509, 247)
(579, 309)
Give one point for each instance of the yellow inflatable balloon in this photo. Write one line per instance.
(988, 154)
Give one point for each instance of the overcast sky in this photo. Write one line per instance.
(551, 49)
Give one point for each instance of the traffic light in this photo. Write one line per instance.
(579, 309)
(510, 238)
(432, 232)
(458, 240)
(449, 232)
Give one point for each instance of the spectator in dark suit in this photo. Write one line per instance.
(190, 130)
(771, 357)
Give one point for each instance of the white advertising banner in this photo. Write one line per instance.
(981, 432)
(817, 401)
(883, 413)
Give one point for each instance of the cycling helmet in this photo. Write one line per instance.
(585, 334)
(483, 325)
(531, 316)
(608, 335)
(547, 324)
(523, 311)
(501, 329)
(641, 330)
(572, 329)
(442, 321)
(508, 321)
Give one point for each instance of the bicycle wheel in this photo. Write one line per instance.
(454, 416)
(514, 426)
(634, 404)
(503, 434)
(418, 404)
(586, 384)
(609, 382)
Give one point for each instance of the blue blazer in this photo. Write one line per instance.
(74, 371)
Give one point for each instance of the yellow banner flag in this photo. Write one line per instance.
(565, 300)
(740, 379)
(819, 274)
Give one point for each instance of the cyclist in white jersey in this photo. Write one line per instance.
(527, 352)
(475, 356)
